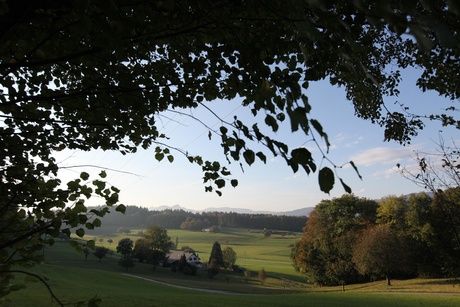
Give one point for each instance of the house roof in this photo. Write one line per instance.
(176, 255)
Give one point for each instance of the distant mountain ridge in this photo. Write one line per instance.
(297, 212)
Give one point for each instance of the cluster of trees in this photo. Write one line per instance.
(351, 239)
(141, 217)
(219, 258)
(151, 248)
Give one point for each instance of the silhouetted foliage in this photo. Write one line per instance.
(100, 252)
(216, 257)
(212, 268)
(142, 250)
(125, 247)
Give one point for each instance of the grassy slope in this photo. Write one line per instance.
(75, 283)
(74, 279)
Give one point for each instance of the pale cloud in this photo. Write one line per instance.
(387, 173)
(382, 155)
(346, 140)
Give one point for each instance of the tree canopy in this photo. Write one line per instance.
(158, 239)
(396, 237)
(97, 75)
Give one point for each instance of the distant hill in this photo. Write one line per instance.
(297, 212)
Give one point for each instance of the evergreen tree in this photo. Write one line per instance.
(216, 256)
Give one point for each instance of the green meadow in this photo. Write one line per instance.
(74, 279)
(254, 251)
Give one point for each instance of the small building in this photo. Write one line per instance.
(174, 256)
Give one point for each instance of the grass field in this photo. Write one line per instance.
(254, 252)
(74, 279)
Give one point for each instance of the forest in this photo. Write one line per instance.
(138, 217)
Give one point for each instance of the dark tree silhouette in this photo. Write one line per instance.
(216, 256)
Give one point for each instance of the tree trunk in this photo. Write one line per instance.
(388, 280)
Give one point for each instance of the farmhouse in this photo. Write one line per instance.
(191, 257)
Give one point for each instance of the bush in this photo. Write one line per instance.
(100, 252)
(189, 269)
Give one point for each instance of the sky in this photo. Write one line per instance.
(272, 186)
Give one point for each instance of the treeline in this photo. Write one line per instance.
(351, 239)
(138, 217)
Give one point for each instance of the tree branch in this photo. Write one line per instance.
(42, 280)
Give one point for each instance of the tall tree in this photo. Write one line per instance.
(142, 250)
(380, 253)
(439, 172)
(100, 252)
(158, 238)
(125, 247)
(216, 257)
(229, 257)
(325, 250)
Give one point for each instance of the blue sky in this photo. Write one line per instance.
(272, 186)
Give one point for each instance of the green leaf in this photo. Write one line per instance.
(262, 157)
(220, 183)
(345, 186)
(159, 156)
(171, 159)
(281, 117)
(249, 156)
(234, 182)
(271, 121)
(356, 169)
(84, 175)
(80, 232)
(121, 208)
(79, 207)
(316, 124)
(97, 222)
(223, 130)
(219, 192)
(326, 179)
(303, 157)
(102, 174)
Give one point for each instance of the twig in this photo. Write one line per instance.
(43, 282)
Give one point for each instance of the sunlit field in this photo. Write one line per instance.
(74, 279)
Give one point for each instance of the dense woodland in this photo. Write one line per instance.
(351, 239)
(138, 217)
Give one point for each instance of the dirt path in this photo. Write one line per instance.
(187, 288)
